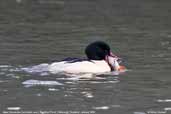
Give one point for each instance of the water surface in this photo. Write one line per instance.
(33, 32)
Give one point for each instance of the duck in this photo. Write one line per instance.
(99, 59)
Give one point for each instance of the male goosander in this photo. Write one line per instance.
(100, 59)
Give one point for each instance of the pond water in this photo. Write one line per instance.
(33, 32)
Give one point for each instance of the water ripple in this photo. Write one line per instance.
(31, 82)
(164, 100)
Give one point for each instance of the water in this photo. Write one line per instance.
(33, 32)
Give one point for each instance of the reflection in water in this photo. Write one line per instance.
(139, 113)
(102, 108)
(164, 100)
(13, 108)
(87, 94)
(29, 83)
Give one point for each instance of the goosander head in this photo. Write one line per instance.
(99, 50)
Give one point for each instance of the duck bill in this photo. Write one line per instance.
(116, 65)
(112, 62)
(118, 58)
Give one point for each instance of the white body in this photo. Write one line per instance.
(94, 66)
